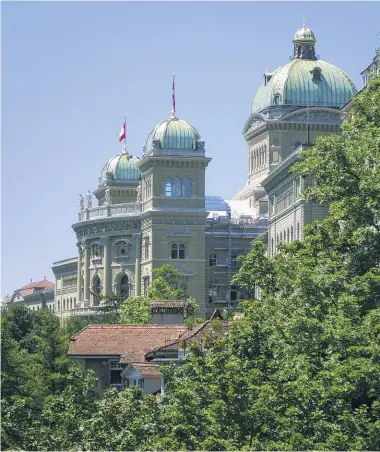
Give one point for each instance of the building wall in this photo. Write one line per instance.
(152, 385)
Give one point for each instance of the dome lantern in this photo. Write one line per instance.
(304, 44)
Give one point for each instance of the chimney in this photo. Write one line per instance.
(168, 312)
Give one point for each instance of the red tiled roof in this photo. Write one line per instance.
(147, 369)
(168, 304)
(131, 342)
(197, 332)
(37, 284)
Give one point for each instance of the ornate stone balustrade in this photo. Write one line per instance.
(110, 211)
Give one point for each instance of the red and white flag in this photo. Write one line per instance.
(123, 133)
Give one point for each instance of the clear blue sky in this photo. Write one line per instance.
(71, 70)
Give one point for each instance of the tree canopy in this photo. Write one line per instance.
(300, 370)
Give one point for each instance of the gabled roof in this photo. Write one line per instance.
(198, 332)
(130, 342)
(33, 287)
(145, 369)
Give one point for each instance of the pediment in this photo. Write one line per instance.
(254, 122)
(314, 115)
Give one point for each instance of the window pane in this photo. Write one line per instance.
(178, 188)
(168, 188)
(187, 188)
(174, 251)
(182, 251)
(115, 377)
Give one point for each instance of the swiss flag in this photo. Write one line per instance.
(122, 134)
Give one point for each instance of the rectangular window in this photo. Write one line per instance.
(146, 248)
(115, 372)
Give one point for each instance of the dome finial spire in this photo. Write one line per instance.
(173, 116)
(304, 22)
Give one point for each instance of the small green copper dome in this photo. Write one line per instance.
(122, 167)
(304, 34)
(173, 133)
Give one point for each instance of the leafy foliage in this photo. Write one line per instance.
(300, 371)
(135, 310)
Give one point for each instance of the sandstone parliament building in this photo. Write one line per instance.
(151, 210)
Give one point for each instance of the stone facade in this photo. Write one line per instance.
(153, 210)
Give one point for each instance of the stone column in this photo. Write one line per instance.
(79, 273)
(138, 265)
(107, 265)
(86, 294)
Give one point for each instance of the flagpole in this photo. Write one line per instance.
(125, 133)
(173, 98)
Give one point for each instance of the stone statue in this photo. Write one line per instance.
(108, 196)
(156, 145)
(89, 199)
(200, 145)
(81, 203)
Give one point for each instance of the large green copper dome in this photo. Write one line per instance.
(123, 167)
(173, 133)
(305, 80)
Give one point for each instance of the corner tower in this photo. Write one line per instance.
(295, 103)
(173, 215)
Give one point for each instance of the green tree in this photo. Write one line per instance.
(300, 370)
(135, 310)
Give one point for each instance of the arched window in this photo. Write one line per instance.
(298, 231)
(291, 233)
(182, 251)
(272, 246)
(212, 260)
(64, 305)
(75, 301)
(288, 236)
(168, 188)
(124, 286)
(174, 251)
(280, 236)
(276, 99)
(71, 303)
(187, 188)
(96, 288)
(59, 305)
(177, 188)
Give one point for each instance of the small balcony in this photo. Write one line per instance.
(114, 210)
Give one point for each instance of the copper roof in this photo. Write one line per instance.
(131, 342)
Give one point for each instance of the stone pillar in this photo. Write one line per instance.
(86, 282)
(79, 282)
(138, 265)
(107, 265)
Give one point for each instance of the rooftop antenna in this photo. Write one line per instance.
(173, 116)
